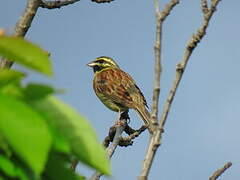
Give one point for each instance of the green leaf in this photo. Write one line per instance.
(35, 91)
(77, 130)
(56, 169)
(59, 142)
(10, 83)
(13, 90)
(4, 147)
(8, 76)
(10, 169)
(25, 53)
(25, 131)
(7, 166)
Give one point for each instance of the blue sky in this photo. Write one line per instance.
(202, 131)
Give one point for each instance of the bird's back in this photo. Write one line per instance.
(119, 87)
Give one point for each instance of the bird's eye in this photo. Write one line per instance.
(101, 61)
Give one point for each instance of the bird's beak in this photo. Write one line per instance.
(91, 64)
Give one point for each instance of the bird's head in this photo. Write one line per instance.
(102, 62)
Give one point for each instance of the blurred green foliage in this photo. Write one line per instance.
(40, 134)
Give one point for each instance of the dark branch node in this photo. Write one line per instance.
(128, 130)
(180, 68)
(132, 133)
(56, 4)
(220, 171)
(102, 1)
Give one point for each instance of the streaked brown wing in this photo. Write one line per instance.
(118, 86)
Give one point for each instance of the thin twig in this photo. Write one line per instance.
(160, 17)
(74, 164)
(102, 1)
(155, 140)
(195, 39)
(124, 141)
(22, 26)
(158, 66)
(56, 4)
(110, 150)
(60, 3)
(220, 171)
(115, 136)
(26, 19)
(204, 6)
(128, 141)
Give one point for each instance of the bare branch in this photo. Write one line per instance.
(74, 164)
(115, 136)
(110, 150)
(61, 3)
(160, 17)
(119, 130)
(102, 1)
(22, 26)
(168, 8)
(127, 141)
(26, 19)
(204, 5)
(124, 141)
(56, 4)
(220, 171)
(157, 69)
(195, 39)
(156, 6)
(155, 140)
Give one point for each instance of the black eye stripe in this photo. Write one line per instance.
(101, 61)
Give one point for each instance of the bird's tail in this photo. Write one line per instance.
(145, 115)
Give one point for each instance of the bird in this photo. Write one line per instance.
(116, 89)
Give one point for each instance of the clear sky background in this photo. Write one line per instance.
(202, 132)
